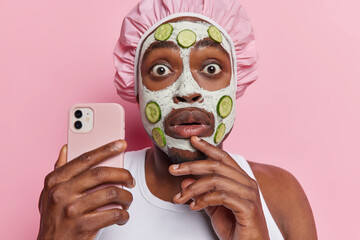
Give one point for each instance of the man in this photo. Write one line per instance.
(190, 59)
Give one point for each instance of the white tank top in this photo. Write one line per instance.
(153, 218)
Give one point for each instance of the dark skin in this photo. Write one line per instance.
(216, 183)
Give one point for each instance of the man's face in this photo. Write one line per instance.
(183, 91)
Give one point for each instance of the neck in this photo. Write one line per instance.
(158, 178)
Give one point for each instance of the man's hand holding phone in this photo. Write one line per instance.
(68, 211)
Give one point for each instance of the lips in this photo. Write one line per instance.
(186, 122)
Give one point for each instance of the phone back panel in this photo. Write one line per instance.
(108, 126)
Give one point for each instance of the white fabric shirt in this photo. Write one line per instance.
(153, 218)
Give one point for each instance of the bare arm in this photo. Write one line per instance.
(287, 201)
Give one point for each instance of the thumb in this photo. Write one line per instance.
(62, 157)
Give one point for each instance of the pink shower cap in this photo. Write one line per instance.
(228, 15)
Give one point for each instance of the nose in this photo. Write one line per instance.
(191, 98)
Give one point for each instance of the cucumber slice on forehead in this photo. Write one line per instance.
(224, 106)
(215, 34)
(164, 32)
(186, 38)
(158, 137)
(220, 132)
(153, 112)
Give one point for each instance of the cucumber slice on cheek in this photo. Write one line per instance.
(158, 137)
(224, 106)
(186, 38)
(153, 112)
(164, 32)
(220, 132)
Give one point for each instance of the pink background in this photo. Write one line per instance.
(302, 114)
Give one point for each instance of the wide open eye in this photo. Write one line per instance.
(211, 69)
(160, 70)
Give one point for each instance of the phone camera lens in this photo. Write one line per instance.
(78, 125)
(78, 113)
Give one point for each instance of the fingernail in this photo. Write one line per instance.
(192, 204)
(175, 166)
(177, 196)
(197, 139)
(134, 182)
(63, 149)
(118, 144)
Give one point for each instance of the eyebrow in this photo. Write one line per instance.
(207, 42)
(160, 44)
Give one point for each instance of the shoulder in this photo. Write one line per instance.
(134, 159)
(286, 201)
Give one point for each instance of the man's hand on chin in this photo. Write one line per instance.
(229, 196)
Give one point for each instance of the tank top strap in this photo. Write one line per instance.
(274, 231)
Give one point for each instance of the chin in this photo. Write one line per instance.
(179, 156)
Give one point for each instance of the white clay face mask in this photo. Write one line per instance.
(155, 106)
